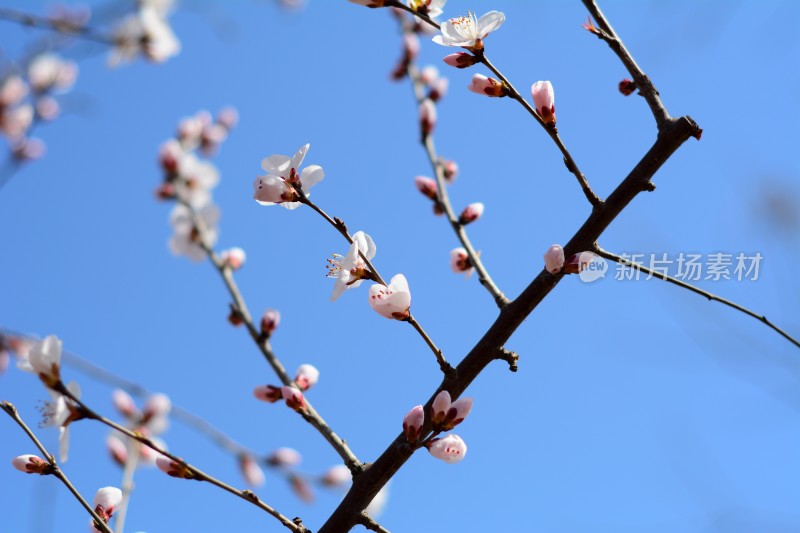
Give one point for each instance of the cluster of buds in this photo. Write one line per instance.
(555, 261)
(149, 421)
(145, 32)
(190, 179)
(305, 378)
(444, 416)
(29, 98)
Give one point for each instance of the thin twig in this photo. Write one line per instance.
(310, 414)
(341, 227)
(712, 297)
(11, 410)
(198, 474)
(643, 83)
(444, 199)
(593, 199)
(60, 26)
(369, 523)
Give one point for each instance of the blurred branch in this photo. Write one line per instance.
(195, 473)
(58, 25)
(712, 297)
(55, 470)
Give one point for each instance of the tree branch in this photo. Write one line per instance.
(712, 297)
(60, 26)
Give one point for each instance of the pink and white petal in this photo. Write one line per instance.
(299, 155)
(490, 22)
(277, 164)
(310, 176)
(338, 289)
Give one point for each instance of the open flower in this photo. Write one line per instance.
(44, 358)
(469, 32)
(59, 412)
(450, 449)
(351, 269)
(186, 239)
(432, 8)
(392, 301)
(278, 185)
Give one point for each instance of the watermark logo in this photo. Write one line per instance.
(591, 267)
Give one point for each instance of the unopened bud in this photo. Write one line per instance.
(285, 457)
(123, 403)
(489, 86)
(460, 60)
(294, 398)
(426, 186)
(450, 169)
(544, 101)
(471, 213)
(233, 258)
(554, 259)
(173, 468)
(412, 423)
(252, 473)
(627, 87)
(337, 476)
(270, 321)
(307, 376)
(268, 393)
(32, 464)
(427, 117)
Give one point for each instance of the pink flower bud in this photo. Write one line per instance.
(294, 398)
(31, 464)
(427, 117)
(410, 47)
(460, 60)
(458, 411)
(412, 423)
(450, 449)
(459, 261)
(12, 91)
(450, 169)
(471, 213)
(233, 258)
(489, 86)
(337, 476)
(29, 149)
(544, 101)
(106, 501)
(554, 259)
(228, 117)
(123, 403)
(117, 450)
(368, 3)
(627, 87)
(307, 376)
(47, 108)
(301, 488)
(439, 408)
(172, 468)
(285, 457)
(426, 186)
(438, 89)
(270, 321)
(268, 393)
(251, 472)
(156, 406)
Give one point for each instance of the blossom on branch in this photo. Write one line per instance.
(32, 464)
(233, 258)
(294, 398)
(279, 185)
(427, 117)
(412, 423)
(306, 377)
(480, 84)
(544, 101)
(460, 60)
(554, 259)
(446, 415)
(186, 239)
(270, 322)
(44, 358)
(471, 213)
(106, 501)
(431, 8)
(460, 263)
(450, 449)
(351, 269)
(59, 412)
(469, 32)
(393, 301)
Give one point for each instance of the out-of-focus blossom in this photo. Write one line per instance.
(412, 423)
(427, 187)
(59, 412)
(15, 122)
(270, 321)
(268, 393)
(124, 403)
(48, 72)
(450, 169)
(278, 185)
(12, 90)
(47, 108)
(469, 32)
(284, 457)
(393, 301)
(233, 258)
(28, 149)
(294, 398)
(427, 117)
(32, 464)
(145, 32)
(460, 263)
(336, 476)
(431, 8)
(307, 376)
(480, 84)
(117, 450)
(378, 503)
(251, 471)
(301, 488)
(544, 101)
(186, 237)
(554, 259)
(471, 213)
(45, 360)
(351, 269)
(450, 449)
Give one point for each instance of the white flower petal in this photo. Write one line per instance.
(310, 176)
(489, 23)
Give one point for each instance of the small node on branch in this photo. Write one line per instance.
(627, 87)
(510, 357)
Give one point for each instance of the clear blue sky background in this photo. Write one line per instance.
(637, 406)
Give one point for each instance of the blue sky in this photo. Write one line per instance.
(637, 406)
